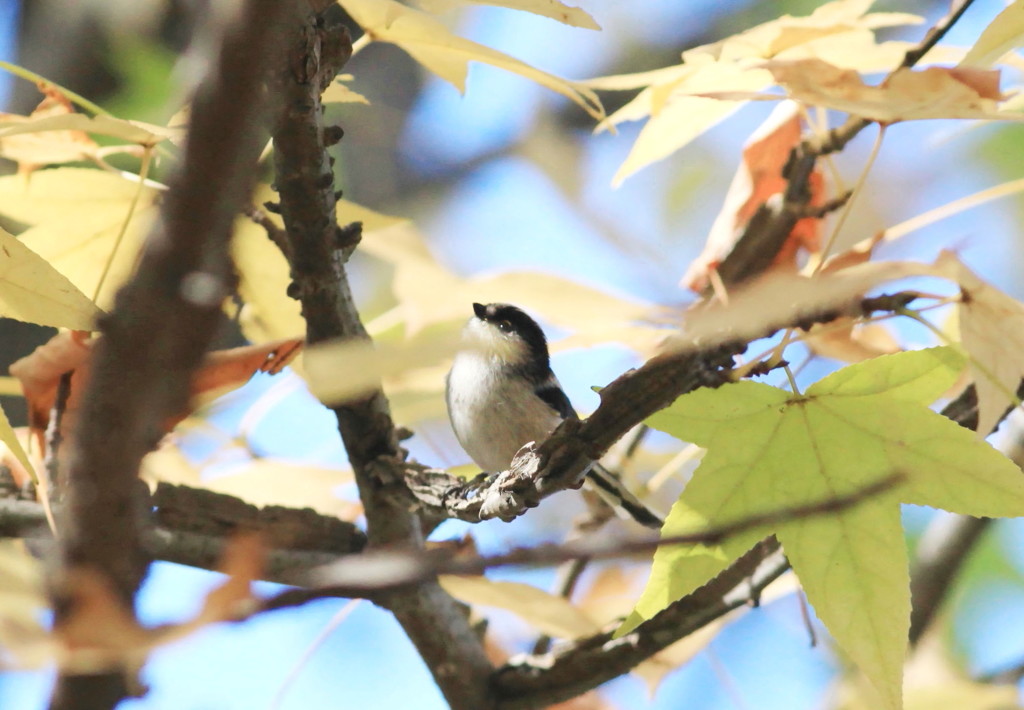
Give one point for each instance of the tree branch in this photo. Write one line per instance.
(383, 570)
(540, 681)
(190, 526)
(318, 47)
(162, 322)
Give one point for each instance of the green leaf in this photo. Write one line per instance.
(769, 449)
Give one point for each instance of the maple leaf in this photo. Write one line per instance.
(675, 97)
(992, 332)
(33, 291)
(429, 42)
(31, 150)
(908, 94)
(77, 218)
(768, 449)
(55, 133)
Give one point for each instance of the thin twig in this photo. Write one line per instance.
(377, 571)
(55, 437)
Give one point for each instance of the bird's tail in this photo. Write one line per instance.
(612, 490)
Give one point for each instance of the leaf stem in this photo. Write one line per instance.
(361, 43)
(147, 156)
(29, 75)
(847, 208)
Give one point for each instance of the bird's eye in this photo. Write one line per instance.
(505, 326)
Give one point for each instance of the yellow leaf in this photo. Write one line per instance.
(265, 482)
(430, 295)
(339, 92)
(9, 438)
(76, 216)
(33, 291)
(132, 131)
(548, 613)
(1004, 33)
(447, 55)
(169, 465)
(839, 31)
(787, 32)
(684, 116)
(565, 14)
(344, 370)
(779, 298)
(909, 94)
(992, 332)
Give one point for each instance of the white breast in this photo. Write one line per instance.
(491, 419)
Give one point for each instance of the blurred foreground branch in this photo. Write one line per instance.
(162, 323)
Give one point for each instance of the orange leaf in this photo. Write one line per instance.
(243, 562)
(759, 179)
(70, 351)
(40, 374)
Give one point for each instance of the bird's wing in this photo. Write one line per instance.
(553, 395)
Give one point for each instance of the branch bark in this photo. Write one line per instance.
(318, 46)
(162, 322)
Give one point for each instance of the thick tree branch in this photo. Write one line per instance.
(162, 323)
(318, 47)
(194, 527)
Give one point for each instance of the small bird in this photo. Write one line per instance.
(502, 394)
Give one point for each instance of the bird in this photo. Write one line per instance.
(502, 394)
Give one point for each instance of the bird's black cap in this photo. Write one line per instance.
(510, 319)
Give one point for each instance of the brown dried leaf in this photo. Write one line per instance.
(69, 352)
(99, 632)
(243, 562)
(909, 94)
(34, 150)
(758, 179)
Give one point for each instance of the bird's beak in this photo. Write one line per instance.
(480, 310)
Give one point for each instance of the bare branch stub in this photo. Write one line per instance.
(162, 322)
